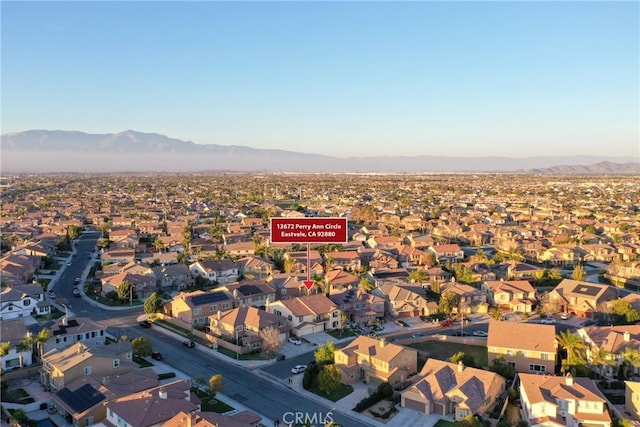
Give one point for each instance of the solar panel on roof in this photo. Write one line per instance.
(587, 290)
(82, 399)
(209, 298)
(249, 289)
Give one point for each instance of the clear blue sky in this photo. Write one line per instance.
(360, 78)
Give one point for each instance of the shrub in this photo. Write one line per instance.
(166, 375)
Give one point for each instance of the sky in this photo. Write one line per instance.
(508, 78)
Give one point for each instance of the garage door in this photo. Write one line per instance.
(414, 404)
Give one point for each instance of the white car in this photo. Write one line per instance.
(298, 369)
(294, 340)
(480, 334)
(68, 263)
(548, 321)
(565, 316)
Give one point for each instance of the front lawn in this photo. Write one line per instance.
(343, 391)
(445, 423)
(251, 356)
(443, 350)
(52, 316)
(17, 395)
(142, 362)
(348, 332)
(210, 403)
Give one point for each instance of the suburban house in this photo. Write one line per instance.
(528, 347)
(142, 285)
(610, 342)
(250, 293)
(514, 295)
(196, 307)
(447, 253)
(288, 286)
(118, 256)
(375, 361)
(358, 306)
(340, 280)
(213, 419)
(254, 267)
(562, 401)
(296, 262)
(308, 314)
(583, 299)
(632, 399)
(67, 331)
(446, 388)
(18, 269)
(173, 277)
(61, 367)
(344, 260)
(84, 399)
(19, 353)
(470, 299)
(516, 270)
(405, 302)
(248, 324)
(23, 300)
(222, 271)
(152, 407)
(625, 273)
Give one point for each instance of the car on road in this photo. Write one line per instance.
(294, 340)
(446, 323)
(51, 294)
(480, 334)
(298, 369)
(188, 344)
(565, 316)
(68, 263)
(76, 293)
(460, 334)
(417, 335)
(548, 321)
(76, 281)
(145, 324)
(157, 355)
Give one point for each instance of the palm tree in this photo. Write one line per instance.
(289, 264)
(39, 340)
(574, 347)
(23, 346)
(600, 358)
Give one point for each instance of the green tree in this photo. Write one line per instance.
(153, 304)
(463, 274)
(216, 384)
(418, 276)
(578, 273)
(325, 353)
(5, 347)
(555, 274)
(74, 231)
(40, 339)
(502, 368)
(465, 359)
(470, 421)
(125, 291)
(23, 346)
(600, 358)
(624, 310)
(574, 348)
(142, 347)
(448, 301)
(366, 284)
(329, 379)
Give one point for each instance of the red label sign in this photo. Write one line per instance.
(309, 230)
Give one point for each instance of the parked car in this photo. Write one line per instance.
(446, 323)
(76, 281)
(145, 324)
(548, 321)
(51, 294)
(565, 316)
(298, 369)
(188, 344)
(157, 355)
(417, 335)
(76, 293)
(294, 340)
(480, 334)
(68, 263)
(460, 334)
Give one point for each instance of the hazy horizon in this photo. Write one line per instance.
(342, 79)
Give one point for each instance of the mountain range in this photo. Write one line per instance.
(130, 151)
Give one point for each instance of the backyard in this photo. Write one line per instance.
(444, 350)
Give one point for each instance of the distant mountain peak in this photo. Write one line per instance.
(134, 151)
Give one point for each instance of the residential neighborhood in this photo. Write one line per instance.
(504, 301)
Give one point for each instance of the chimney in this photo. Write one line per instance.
(79, 348)
(383, 342)
(162, 394)
(568, 379)
(190, 419)
(64, 321)
(219, 314)
(460, 366)
(626, 336)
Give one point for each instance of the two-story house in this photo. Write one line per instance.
(61, 367)
(405, 302)
(344, 260)
(196, 307)
(528, 347)
(514, 295)
(470, 299)
(213, 419)
(255, 268)
(173, 277)
(253, 293)
(562, 401)
(340, 280)
(610, 342)
(358, 306)
(23, 300)
(632, 399)
(375, 361)
(447, 253)
(222, 271)
(68, 330)
(19, 353)
(246, 324)
(446, 389)
(583, 299)
(308, 314)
